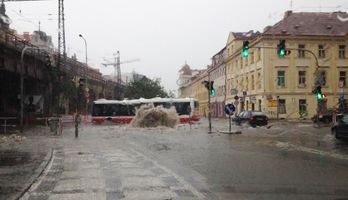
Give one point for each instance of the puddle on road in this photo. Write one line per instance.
(12, 158)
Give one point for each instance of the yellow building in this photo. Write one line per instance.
(190, 85)
(282, 86)
(200, 92)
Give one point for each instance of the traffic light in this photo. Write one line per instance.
(210, 87)
(318, 93)
(281, 48)
(245, 51)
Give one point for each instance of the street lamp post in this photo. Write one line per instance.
(86, 77)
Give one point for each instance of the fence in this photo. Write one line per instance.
(5, 125)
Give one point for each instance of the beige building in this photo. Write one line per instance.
(217, 72)
(282, 86)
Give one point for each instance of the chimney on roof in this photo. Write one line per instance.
(287, 13)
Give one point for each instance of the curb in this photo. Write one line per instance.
(232, 132)
(38, 172)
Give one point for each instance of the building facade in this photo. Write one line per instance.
(281, 86)
(217, 73)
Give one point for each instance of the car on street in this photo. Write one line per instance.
(340, 127)
(253, 118)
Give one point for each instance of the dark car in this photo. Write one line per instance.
(340, 128)
(254, 118)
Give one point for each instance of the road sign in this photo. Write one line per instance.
(234, 91)
(229, 109)
(341, 98)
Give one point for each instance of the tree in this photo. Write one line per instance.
(145, 88)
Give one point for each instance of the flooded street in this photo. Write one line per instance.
(285, 161)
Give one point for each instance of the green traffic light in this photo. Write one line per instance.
(319, 96)
(282, 52)
(245, 53)
(212, 92)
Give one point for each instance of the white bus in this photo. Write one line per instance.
(124, 111)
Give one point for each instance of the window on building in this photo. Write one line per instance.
(251, 57)
(301, 52)
(302, 78)
(252, 82)
(342, 51)
(322, 78)
(281, 78)
(302, 106)
(247, 82)
(258, 80)
(258, 54)
(282, 106)
(343, 77)
(321, 51)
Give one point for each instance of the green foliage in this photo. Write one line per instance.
(145, 88)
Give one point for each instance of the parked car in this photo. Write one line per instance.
(340, 127)
(254, 118)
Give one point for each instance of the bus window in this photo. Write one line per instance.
(182, 108)
(131, 110)
(163, 104)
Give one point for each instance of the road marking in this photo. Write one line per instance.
(185, 184)
(292, 147)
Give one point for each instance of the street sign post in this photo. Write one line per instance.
(229, 109)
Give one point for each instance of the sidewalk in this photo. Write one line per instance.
(22, 159)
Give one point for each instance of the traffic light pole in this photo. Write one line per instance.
(209, 111)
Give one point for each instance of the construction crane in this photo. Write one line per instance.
(61, 32)
(117, 66)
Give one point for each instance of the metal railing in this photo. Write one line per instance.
(5, 125)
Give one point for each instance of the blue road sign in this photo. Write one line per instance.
(341, 98)
(229, 109)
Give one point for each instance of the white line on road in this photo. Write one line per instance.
(186, 185)
(289, 146)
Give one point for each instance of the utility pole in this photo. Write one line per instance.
(61, 35)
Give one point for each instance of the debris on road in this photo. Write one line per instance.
(149, 116)
(11, 139)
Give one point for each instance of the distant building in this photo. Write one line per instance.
(41, 39)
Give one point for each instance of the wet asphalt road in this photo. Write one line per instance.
(286, 161)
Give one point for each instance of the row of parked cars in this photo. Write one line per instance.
(256, 118)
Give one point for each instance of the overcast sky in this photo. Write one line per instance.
(163, 34)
